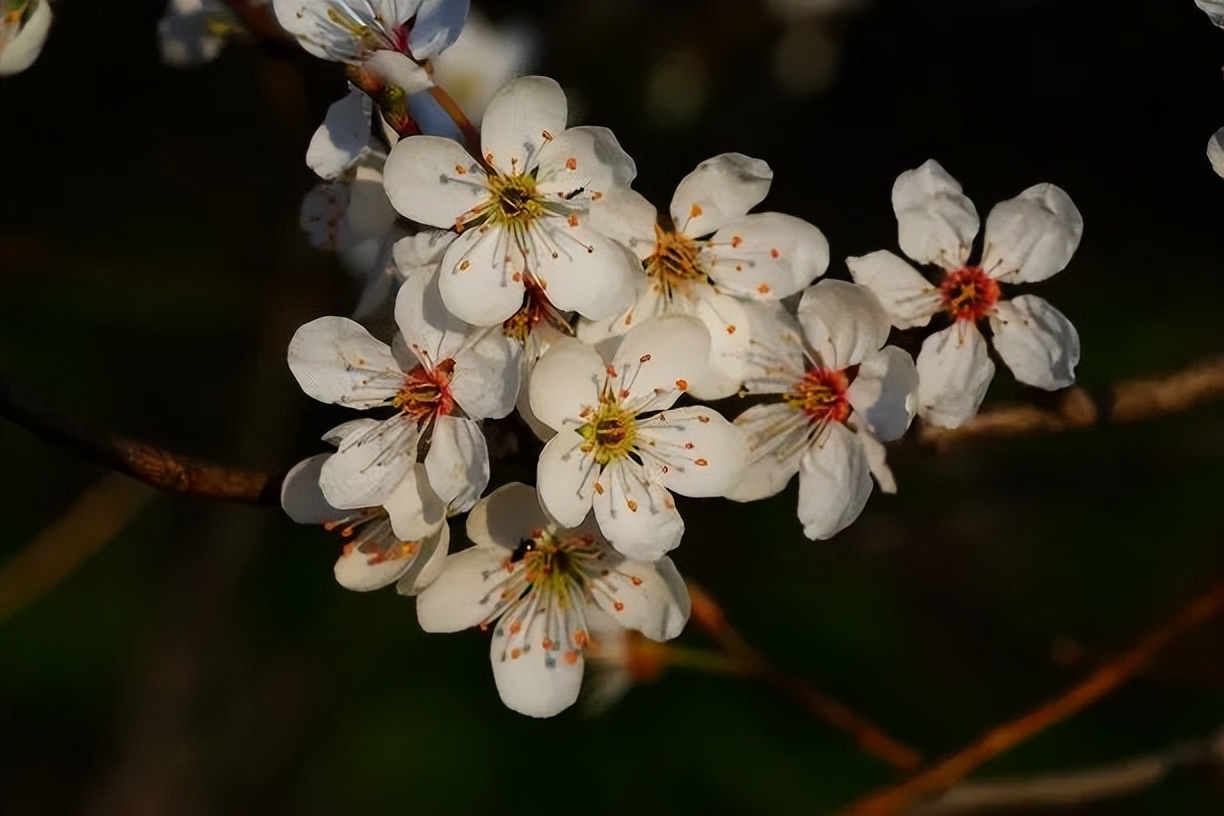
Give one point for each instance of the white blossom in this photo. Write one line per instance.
(617, 448)
(23, 31)
(841, 392)
(374, 555)
(440, 376)
(523, 212)
(712, 256)
(536, 583)
(1214, 9)
(388, 38)
(193, 32)
(1215, 152)
(1027, 239)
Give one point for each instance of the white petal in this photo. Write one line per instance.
(465, 593)
(428, 565)
(885, 392)
(834, 483)
(843, 322)
(301, 498)
(581, 270)
(626, 217)
(1032, 236)
(766, 256)
(954, 372)
(506, 516)
(1037, 342)
(422, 251)
(717, 191)
(877, 460)
(336, 436)
(336, 360)
(368, 466)
(397, 69)
(656, 358)
(438, 24)
(908, 297)
(566, 479)
(480, 282)
(726, 320)
(776, 435)
(433, 180)
(458, 462)
(636, 513)
(583, 158)
(19, 53)
(530, 679)
(523, 115)
(775, 358)
(647, 596)
(566, 381)
(486, 380)
(697, 452)
(936, 222)
(362, 572)
(1215, 145)
(414, 507)
(343, 137)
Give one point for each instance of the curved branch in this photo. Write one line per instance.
(1080, 407)
(151, 465)
(1006, 736)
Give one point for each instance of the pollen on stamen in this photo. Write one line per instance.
(763, 289)
(516, 653)
(703, 418)
(515, 627)
(774, 253)
(695, 211)
(548, 137)
(736, 240)
(572, 220)
(570, 657)
(632, 505)
(571, 163)
(635, 580)
(460, 170)
(463, 265)
(599, 488)
(700, 462)
(730, 329)
(682, 385)
(618, 606)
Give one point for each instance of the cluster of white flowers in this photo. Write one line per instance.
(524, 274)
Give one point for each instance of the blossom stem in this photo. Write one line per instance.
(1006, 736)
(709, 616)
(452, 109)
(704, 660)
(153, 466)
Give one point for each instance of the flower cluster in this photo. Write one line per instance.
(518, 272)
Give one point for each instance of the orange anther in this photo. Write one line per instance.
(736, 240)
(774, 253)
(571, 163)
(682, 385)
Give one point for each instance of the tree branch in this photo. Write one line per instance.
(1080, 407)
(1073, 788)
(708, 615)
(1004, 737)
(151, 465)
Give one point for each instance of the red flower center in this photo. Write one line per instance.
(968, 293)
(821, 394)
(425, 394)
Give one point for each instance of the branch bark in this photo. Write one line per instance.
(1104, 680)
(151, 465)
(1081, 407)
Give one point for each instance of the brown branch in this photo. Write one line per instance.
(1008, 735)
(1074, 788)
(1080, 407)
(151, 465)
(708, 615)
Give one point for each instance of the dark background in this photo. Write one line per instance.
(206, 662)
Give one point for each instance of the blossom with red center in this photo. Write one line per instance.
(1027, 239)
(440, 375)
(711, 258)
(538, 584)
(837, 393)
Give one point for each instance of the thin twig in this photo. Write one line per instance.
(151, 465)
(84, 528)
(1073, 788)
(708, 615)
(1008, 735)
(1080, 407)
